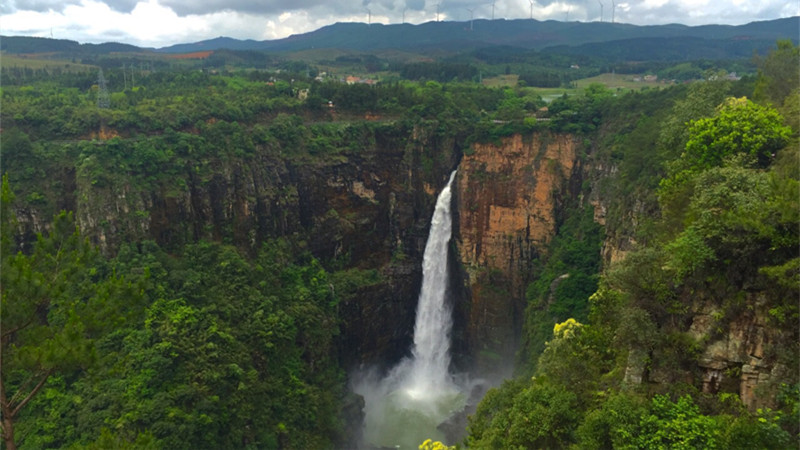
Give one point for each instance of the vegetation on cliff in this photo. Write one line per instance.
(658, 363)
(154, 350)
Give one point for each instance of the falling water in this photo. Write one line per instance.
(405, 408)
(428, 374)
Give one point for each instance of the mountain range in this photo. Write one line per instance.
(567, 37)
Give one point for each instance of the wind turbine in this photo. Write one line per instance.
(493, 10)
(568, 8)
(601, 10)
(437, 11)
(404, 14)
(470, 17)
(369, 16)
(613, 10)
(531, 2)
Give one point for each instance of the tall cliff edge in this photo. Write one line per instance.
(509, 199)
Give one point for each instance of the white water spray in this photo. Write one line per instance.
(405, 408)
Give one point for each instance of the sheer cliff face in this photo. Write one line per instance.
(509, 198)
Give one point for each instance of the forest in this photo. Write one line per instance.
(171, 278)
(717, 221)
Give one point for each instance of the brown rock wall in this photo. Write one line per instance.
(508, 204)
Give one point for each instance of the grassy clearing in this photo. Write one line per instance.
(612, 81)
(549, 94)
(501, 81)
(37, 62)
(615, 81)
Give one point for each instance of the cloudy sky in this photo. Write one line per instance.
(158, 23)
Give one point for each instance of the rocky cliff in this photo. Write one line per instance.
(509, 198)
(741, 357)
(735, 353)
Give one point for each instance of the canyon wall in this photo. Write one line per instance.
(728, 342)
(509, 201)
(367, 208)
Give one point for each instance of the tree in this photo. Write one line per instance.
(701, 101)
(56, 301)
(740, 126)
(540, 415)
(615, 424)
(677, 425)
(740, 129)
(777, 73)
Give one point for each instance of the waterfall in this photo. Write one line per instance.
(405, 407)
(428, 374)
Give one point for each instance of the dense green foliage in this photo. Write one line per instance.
(567, 276)
(57, 302)
(230, 353)
(438, 71)
(203, 349)
(715, 214)
(778, 75)
(740, 126)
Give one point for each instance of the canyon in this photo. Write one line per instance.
(369, 208)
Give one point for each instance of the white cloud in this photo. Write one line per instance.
(652, 4)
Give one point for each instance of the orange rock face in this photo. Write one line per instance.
(507, 193)
(507, 201)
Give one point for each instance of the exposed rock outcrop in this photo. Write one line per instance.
(509, 198)
(737, 357)
(734, 352)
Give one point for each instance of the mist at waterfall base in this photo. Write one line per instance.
(405, 407)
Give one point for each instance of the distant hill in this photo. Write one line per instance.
(25, 44)
(215, 44)
(522, 33)
(609, 40)
(668, 49)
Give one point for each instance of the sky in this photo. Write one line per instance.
(160, 23)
